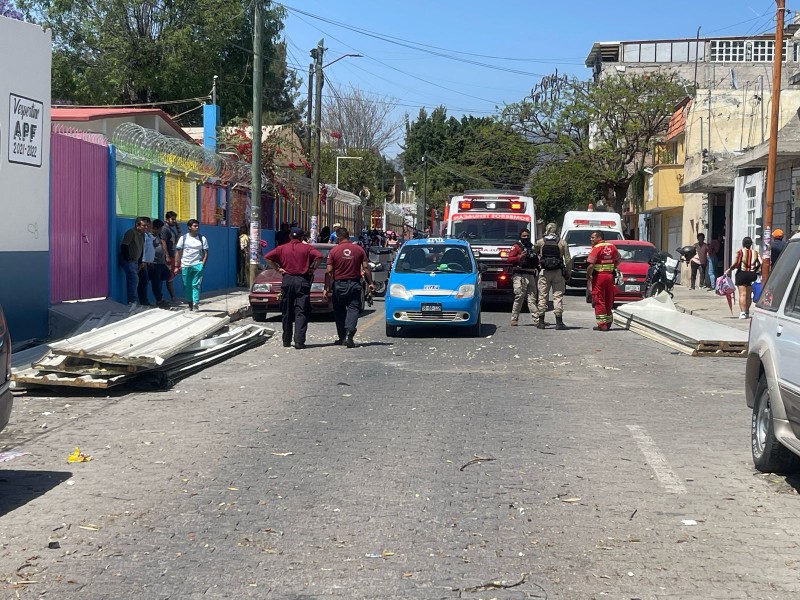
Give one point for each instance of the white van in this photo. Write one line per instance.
(576, 231)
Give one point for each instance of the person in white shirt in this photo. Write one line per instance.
(191, 260)
(146, 266)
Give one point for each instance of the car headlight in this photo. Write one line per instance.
(397, 290)
(317, 287)
(465, 291)
(262, 287)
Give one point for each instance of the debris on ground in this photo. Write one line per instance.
(78, 457)
(476, 459)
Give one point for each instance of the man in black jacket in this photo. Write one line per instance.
(526, 267)
(131, 250)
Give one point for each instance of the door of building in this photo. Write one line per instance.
(78, 216)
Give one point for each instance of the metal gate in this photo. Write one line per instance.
(78, 215)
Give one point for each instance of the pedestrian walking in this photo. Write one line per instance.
(776, 247)
(191, 257)
(554, 271)
(346, 261)
(243, 258)
(602, 261)
(169, 237)
(160, 271)
(131, 249)
(525, 269)
(296, 261)
(713, 260)
(747, 264)
(699, 261)
(146, 266)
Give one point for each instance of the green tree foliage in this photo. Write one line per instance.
(474, 152)
(604, 130)
(562, 186)
(134, 52)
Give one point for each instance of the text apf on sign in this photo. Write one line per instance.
(25, 124)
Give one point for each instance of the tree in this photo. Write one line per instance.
(607, 128)
(363, 122)
(7, 9)
(474, 152)
(137, 52)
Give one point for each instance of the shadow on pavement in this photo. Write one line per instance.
(17, 488)
(409, 331)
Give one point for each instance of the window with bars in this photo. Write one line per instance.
(137, 192)
(180, 196)
(727, 50)
(750, 211)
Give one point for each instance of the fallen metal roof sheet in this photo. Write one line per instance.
(145, 339)
(658, 319)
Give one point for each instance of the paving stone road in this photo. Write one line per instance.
(613, 468)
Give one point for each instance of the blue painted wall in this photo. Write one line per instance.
(25, 293)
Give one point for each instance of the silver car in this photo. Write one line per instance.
(6, 399)
(772, 378)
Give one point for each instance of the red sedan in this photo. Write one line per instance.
(635, 256)
(265, 296)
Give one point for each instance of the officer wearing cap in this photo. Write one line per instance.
(296, 261)
(346, 261)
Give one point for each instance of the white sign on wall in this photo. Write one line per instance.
(25, 126)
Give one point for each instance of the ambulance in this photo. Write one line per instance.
(576, 231)
(491, 221)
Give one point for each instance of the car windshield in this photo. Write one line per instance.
(324, 251)
(635, 253)
(491, 231)
(580, 237)
(435, 258)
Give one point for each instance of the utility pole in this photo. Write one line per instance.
(317, 54)
(773, 140)
(309, 107)
(255, 164)
(424, 193)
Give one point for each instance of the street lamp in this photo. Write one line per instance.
(341, 57)
(338, 158)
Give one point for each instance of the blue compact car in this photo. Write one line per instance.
(434, 281)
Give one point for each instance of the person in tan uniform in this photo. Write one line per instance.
(554, 270)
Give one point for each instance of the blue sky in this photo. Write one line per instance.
(541, 37)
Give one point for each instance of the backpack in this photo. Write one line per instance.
(529, 260)
(551, 254)
(182, 240)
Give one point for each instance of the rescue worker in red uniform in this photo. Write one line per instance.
(346, 261)
(602, 261)
(296, 261)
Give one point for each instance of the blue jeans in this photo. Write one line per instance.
(192, 278)
(131, 268)
(712, 270)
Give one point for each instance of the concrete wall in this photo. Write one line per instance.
(709, 75)
(738, 216)
(25, 176)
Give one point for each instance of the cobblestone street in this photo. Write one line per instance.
(576, 464)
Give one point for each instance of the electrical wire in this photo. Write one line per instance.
(164, 103)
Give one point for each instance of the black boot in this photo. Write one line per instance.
(540, 324)
(560, 323)
(348, 341)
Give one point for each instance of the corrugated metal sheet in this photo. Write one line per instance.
(146, 339)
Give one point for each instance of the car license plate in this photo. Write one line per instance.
(429, 308)
(632, 288)
(489, 284)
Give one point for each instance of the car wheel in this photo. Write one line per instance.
(391, 330)
(475, 330)
(769, 455)
(259, 316)
(380, 287)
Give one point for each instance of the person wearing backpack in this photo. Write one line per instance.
(554, 269)
(526, 267)
(191, 259)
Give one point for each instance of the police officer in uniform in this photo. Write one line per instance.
(346, 261)
(296, 261)
(554, 271)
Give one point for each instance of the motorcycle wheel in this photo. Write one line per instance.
(380, 287)
(655, 289)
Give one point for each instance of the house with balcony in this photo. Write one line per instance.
(663, 201)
